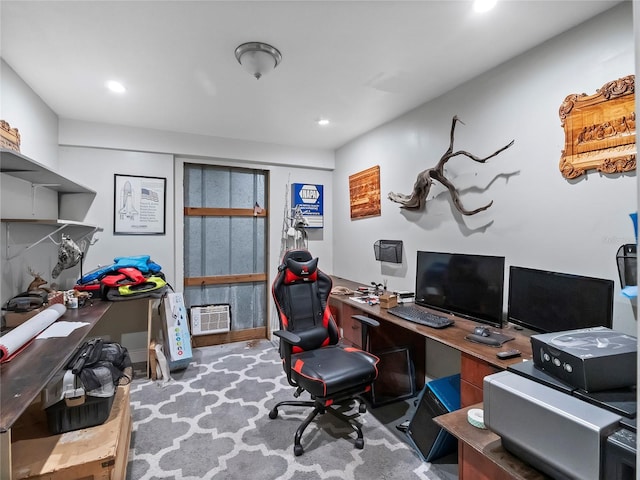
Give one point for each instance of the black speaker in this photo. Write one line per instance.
(437, 398)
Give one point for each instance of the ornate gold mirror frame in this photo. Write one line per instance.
(600, 130)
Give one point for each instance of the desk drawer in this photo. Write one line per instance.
(351, 330)
(472, 373)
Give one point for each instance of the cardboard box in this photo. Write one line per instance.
(592, 359)
(55, 297)
(388, 301)
(99, 453)
(175, 328)
(15, 319)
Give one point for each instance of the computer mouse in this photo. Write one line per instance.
(483, 331)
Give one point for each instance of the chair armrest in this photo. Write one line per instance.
(287, 342)
(290, 338)
(366, 320)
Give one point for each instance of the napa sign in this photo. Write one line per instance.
(310, 200)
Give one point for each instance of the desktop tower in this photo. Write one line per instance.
(437, 398)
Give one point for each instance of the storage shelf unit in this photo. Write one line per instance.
(70, 195)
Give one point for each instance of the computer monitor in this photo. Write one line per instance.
(465, 285)
(546, 301)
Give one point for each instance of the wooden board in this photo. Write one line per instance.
(99, 452)
(247, 334)
(364, 193)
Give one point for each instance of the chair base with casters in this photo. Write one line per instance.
(319, 408)
(332, 374)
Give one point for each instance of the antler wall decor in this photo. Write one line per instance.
(421, 187)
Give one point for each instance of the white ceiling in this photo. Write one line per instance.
(358, 63)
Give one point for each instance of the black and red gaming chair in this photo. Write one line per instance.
(314, 362)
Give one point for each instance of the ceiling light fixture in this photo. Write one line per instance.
(322, 122)
(258, 58)
(483, 5)
(116, 87)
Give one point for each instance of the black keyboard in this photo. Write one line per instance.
(422, 317)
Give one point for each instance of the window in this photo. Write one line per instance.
(225, 245)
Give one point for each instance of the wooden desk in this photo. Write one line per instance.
(480, 452)
(481, 459)
(477, 360)
(22, 378)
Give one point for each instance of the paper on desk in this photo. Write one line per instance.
(61, 329)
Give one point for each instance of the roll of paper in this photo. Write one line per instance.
(19, 337)
(476, 417)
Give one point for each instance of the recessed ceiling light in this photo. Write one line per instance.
(322, 122)
(116, 87)
(483, 5)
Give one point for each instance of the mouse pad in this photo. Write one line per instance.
(495, 339)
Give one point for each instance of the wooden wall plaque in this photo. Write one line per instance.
(364, 193)
(600, 130)
(9, 137)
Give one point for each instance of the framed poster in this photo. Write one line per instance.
(139, 205)
(309, 197)
(364, 193)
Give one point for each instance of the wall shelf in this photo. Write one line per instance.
(17, 165)
(51, 222)
(58, 225)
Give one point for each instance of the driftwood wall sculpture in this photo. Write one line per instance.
(416, 200)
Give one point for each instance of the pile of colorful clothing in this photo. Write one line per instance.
(126, 279)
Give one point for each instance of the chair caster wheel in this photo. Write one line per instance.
(273, 414)
(359, 443)
(298, 450)
(362, 408)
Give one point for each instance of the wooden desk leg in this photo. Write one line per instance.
(153, 362)
(150, 368)
(5, 455)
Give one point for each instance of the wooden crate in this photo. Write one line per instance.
(96, 453)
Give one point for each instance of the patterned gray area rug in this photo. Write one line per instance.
(211, 422)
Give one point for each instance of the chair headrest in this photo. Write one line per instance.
(299, 255)
(301, 271)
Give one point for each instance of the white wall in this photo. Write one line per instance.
(95, 168)
(88, 134)
(81, 164)
(538, 219)
(38, 126)
(36, 122)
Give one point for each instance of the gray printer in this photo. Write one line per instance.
(559, 427)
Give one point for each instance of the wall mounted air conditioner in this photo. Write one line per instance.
(208, 319)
